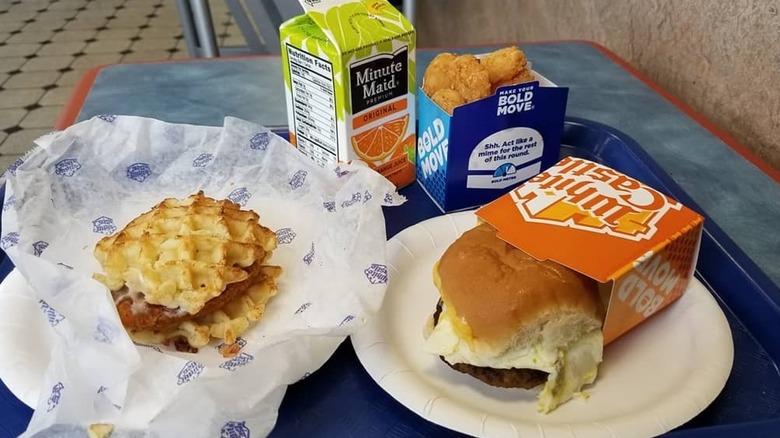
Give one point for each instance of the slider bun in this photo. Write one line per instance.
(507, 299)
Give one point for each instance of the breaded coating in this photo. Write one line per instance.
(440, 74)
(504, 64)
(448, 99)
(471, 78)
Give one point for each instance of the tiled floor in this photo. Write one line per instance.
(46, 46)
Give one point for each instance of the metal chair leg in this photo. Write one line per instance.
(408, 10)
(248, 31)
(188, 28)
(201, 15)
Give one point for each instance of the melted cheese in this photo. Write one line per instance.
(569, 368)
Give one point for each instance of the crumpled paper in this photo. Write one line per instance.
(93, 178)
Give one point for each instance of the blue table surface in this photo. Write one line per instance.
(738, 196)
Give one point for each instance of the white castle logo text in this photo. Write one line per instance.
(584, 195)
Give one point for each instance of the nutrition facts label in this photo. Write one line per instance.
(314, 105)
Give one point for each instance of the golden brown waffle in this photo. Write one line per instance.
(189, 270)
(227, 323)
(183, 253)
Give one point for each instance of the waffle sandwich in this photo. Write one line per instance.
(188, 271)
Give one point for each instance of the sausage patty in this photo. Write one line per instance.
(502, 378)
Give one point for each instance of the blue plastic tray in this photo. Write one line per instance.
(341, 399)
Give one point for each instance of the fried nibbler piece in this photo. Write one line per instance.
(472, 80)
(505, 64)
(439, 74)
(452, 80)
(448, 99)
(174, 270)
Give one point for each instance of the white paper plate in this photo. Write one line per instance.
(653, 379)
(26, 339)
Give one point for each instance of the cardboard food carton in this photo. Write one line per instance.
(638, 242)
(350, 87)
(488, 146)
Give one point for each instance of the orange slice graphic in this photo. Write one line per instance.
(404, 146)
(380, 141)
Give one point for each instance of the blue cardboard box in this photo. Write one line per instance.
(489, 146)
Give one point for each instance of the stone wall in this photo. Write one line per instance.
(720, 58)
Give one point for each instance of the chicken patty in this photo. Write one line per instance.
(145, 316)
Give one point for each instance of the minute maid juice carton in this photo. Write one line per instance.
(349, 78)
(639, 243)
(490, 145)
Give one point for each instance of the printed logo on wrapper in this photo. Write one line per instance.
(65, 266)
(110, 118)
(309, 257)
(330, 206)
(15, 165)
(376, 273)
(260, 141)
(139, 172)
(346, 319)
(103, 389)
(103, 225)
(67, 167)
(367, 196)
(106, 331)
(237, 362)
(388, 198)
(356, 197)
(10, 203)
(240, 196)
(234, 429)
(587, 196)
(339, 172)
(38, 247)
(202, 160)
(298, 179)
(54, 397)
(285, 236)
(302, 308)
(9, 240)
(52, 316)
(153, 347)
(189, 372)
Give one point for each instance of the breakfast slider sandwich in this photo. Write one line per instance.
(188, 271)
(512, 321)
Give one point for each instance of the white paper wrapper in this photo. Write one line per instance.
(93, 178)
